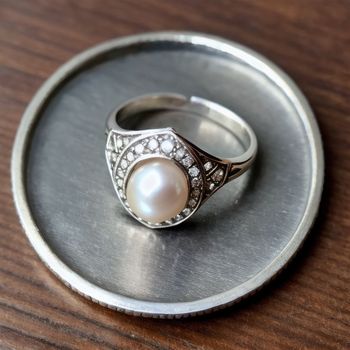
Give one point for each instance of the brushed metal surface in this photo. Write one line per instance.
(238, 240)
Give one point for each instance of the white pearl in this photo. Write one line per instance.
(157, 190)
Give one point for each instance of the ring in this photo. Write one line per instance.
(160, 177)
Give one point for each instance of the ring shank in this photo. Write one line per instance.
(194, 105)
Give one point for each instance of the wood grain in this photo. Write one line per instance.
(305, 308)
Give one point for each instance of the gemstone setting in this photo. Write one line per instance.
(143, 147)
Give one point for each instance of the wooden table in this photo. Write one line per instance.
(305, 308)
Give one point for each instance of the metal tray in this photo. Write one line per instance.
(240, 238)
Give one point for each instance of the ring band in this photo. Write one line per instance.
(160, 177)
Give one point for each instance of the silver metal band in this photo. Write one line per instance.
(196, 105)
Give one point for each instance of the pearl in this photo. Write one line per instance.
(157, 190)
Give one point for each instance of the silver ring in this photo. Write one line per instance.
(160, 177)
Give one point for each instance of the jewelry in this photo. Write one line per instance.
(160, 177)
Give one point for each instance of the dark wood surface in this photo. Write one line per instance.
(305, 308)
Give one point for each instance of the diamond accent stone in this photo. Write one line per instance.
(208, 166)
(192, 203)
(120, 173)
(194, 171)
(113, 156)
(124, 164)
(130, 157)
(179, 154)
(119, 143)
(139, 148)
(178, 217)
(188, 161)
(126, 141)
(120, 182)
(218, 175)
(167, 146)
(211, 186)
(186, 211)
(153, 144)
(196, 192)
(195, 182)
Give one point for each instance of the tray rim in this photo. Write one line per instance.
(149, 308)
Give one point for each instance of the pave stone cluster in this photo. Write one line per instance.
(215, 175)
(123, 152)
(205, 174)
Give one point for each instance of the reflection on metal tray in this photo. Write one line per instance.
(237, 241)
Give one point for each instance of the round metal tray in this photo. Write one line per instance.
(238, 240)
